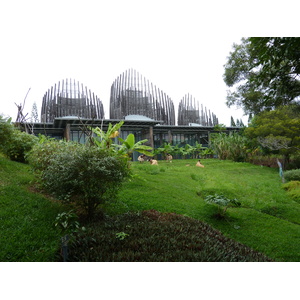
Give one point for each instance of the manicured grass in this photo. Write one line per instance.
(26, 218)
(268, 220)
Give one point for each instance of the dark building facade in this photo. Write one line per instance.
(69, 98)
(133, 95)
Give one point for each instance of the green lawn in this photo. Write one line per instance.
(267, 221)
(26, 218)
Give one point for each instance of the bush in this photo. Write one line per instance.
(232, 146)
(291, 185)
(85, 176)
(292, 175)
(14, 143)
(20, 144)
(6, 130)
(293, 189)
(43, 152)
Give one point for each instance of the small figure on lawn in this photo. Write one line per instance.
(142, 158)
(169, 157)
(198, 164)
(153, 161)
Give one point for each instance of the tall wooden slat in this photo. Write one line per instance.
(67, 98)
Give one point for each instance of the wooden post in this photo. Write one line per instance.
(170, 136)
(67, 133)
(151, 138)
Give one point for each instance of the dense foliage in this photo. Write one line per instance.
(293, 189)
(276, 131)
(151, 236)
(231, 146)
(84, 175)
(14, 143)
(292, 175)
(263, 73)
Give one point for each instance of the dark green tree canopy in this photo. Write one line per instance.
(263, 73)
(277, 130)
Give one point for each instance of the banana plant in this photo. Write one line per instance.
(105, 139)
(186, 150)
(129, 145)
(167, 148)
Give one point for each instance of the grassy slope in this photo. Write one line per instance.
(26, 218)
(268, 220)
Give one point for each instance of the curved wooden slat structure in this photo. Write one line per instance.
(189, 113)
(69, 98)
(133, 94)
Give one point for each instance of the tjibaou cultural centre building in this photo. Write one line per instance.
(146, 110)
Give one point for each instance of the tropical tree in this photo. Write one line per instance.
(277, 131)
(34, 113)
(263, 73)
(232, 123)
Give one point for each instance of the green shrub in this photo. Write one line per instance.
(6, 130)
(231, 146)
(85, 176)
(14, 143)
(43, 152)
(293, 189)
(19, 145)
(292, 175)
(295, 194)
(291, 185)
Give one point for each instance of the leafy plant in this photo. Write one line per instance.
(186, 150)
(222, 202)
(14, 143)
(105, 139)
(86, 176)
(129, 146)
(121, 235)
(67, 222)
(294, 184)
(293, 189)
(230, 146)
(206, 152)
(292, 175)
(43, 152)
(165, 149)
(19, 145)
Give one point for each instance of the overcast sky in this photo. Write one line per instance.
(179, 46)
